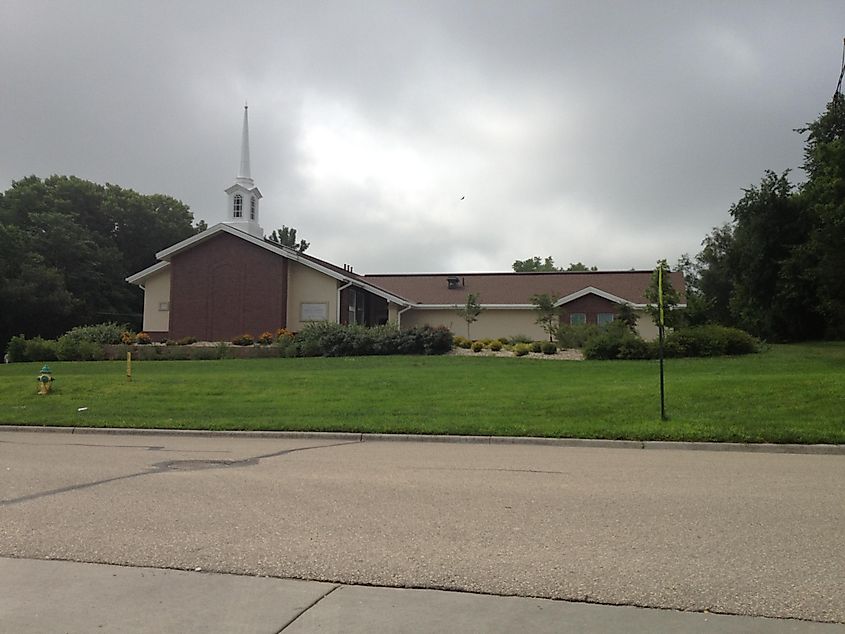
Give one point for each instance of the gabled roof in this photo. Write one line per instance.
(515, 289)
(291, 254)
(592, 290)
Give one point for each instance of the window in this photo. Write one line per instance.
(252, 208)
(238, 206)
(577, 319)
(163, 306)
(602, 319)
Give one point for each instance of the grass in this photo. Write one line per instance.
(792, 393)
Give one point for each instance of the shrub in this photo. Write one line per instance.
(520, 339)
(458, 341)
(186, 341)
(575, 336)
(108, 332)
(69, 348)
(143, 339)
(537, 346)
(495, 345)
(334, 340)
(708, 341)
(603, 345)
(633, 347)
(466, 344)
(16, 349)
(487, 342)
(128, 337)
(436, 340)
(477, 346)
(521, 349)
(38, 349)
(549, 347)
(243, 340)
(265, 338)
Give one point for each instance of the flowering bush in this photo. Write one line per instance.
(243, 340)
(283, 333)
(265, 338)
(128, 337)
(143, 339)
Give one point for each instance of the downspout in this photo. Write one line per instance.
(399, 317)
(341, 288)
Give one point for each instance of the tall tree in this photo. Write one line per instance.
(86, 239)
(286, 236)
(823, 196)
(580, 266)
(535, 265)
(773, 293)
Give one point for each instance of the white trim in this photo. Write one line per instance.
(591, 290)
(483, 306)
(148, 272)
(339, 290)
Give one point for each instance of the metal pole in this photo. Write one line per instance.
(662, 399)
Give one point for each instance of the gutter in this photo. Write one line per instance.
(399, 317)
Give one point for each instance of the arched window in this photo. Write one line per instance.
(252, 208)
(238, 206)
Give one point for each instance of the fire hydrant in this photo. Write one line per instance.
(45, 380)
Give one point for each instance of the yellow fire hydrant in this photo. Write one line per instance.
(45, 380)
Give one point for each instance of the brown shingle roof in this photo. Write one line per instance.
(517, 288)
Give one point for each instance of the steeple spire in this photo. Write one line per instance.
(243, 196)
(244, 176)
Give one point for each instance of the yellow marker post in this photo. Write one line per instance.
(660, 329)
(129, 366)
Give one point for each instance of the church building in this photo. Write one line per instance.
(228, 280)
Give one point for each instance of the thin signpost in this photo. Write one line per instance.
(660, 324)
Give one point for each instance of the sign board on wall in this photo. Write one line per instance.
(314, 312)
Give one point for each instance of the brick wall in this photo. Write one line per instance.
(591, 305)
(225, 287)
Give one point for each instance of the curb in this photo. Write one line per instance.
(837, 450)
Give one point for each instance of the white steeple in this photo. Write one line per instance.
(244, 177)
(243, 196)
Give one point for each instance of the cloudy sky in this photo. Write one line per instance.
(612, 133)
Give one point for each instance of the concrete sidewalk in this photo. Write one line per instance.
(56, 596)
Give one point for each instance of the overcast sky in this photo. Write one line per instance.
(612, 133)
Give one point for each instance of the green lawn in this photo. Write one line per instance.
(790, 393)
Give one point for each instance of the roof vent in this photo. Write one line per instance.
(454, 281)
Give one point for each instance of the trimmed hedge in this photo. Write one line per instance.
(695, 341)
(336, 340)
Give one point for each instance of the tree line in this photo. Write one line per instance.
(777, 269)
(67, 246)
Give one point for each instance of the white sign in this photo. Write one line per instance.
(314, 312)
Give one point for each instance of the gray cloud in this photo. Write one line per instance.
(611, 133)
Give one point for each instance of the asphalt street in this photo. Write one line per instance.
(726, 532)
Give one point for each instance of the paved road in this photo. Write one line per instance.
(739, 533)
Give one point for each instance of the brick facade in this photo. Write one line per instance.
(225, 287)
